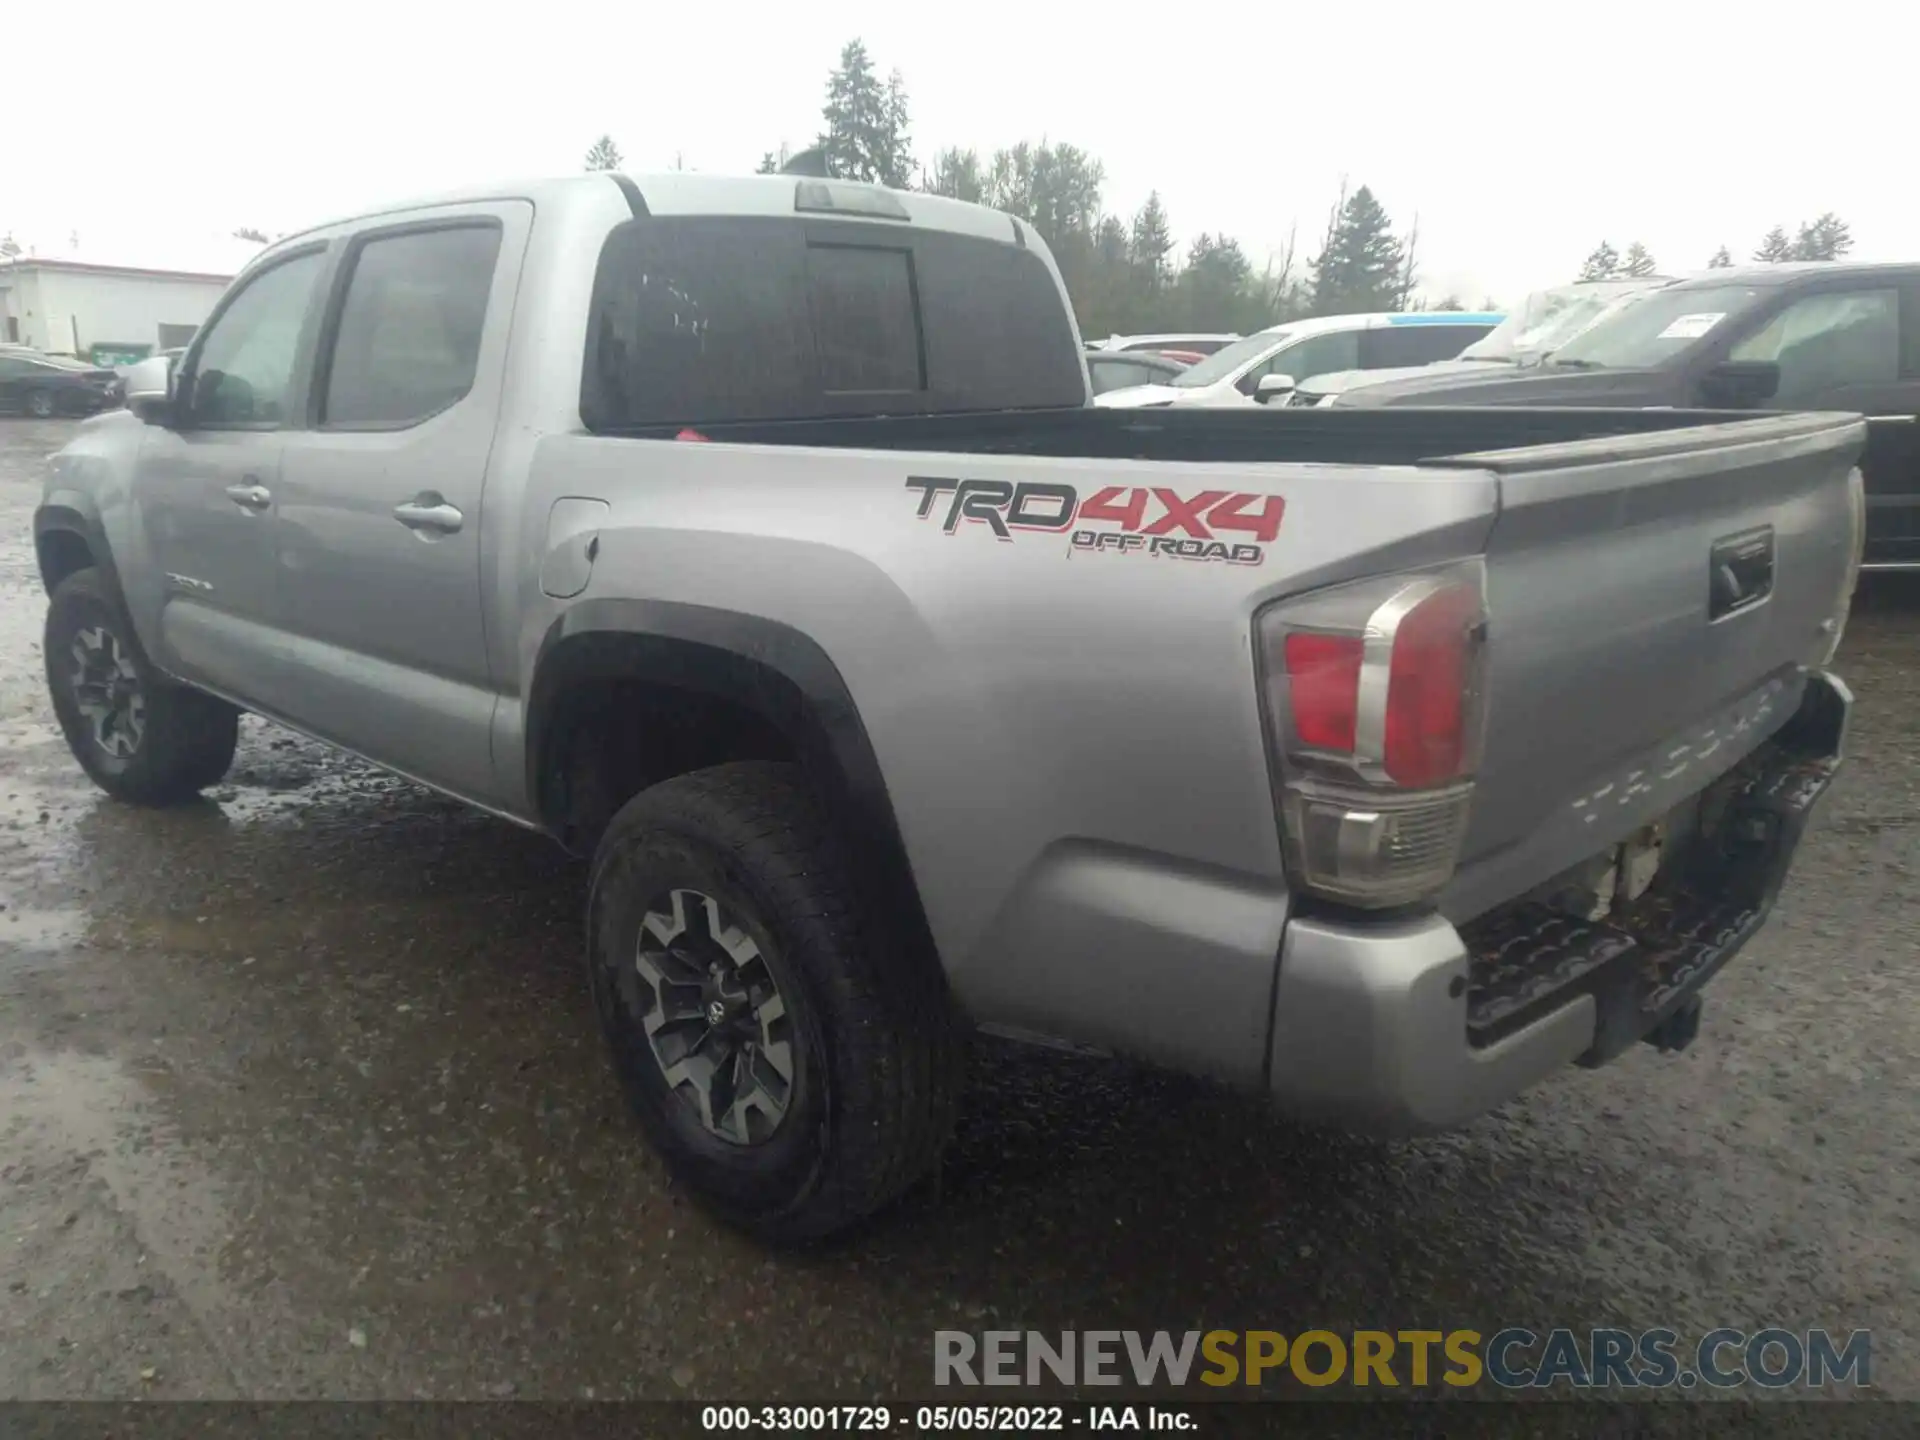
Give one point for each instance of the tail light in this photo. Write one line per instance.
(1375, 708)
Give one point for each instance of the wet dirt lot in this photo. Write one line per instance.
(300, 1096)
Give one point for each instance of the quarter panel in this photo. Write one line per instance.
(1020, 696)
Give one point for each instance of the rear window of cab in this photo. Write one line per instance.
(703, 320)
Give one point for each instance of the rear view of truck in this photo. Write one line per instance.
(1532, 801)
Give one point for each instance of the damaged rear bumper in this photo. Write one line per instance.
(1416, 1025)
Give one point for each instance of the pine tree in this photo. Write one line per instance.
(1602, 264)
(1827, 238)
(1775, 248)
(1359, 267)
(896, 151)
(1213, 285)
(1638, 262)
(866, 134)
(1722, 259)
(604, 155)
(1150, 242)
(958, 175)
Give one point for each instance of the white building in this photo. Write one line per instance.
(75, 307)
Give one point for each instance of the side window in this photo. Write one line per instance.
(1830, 341)
(408, 340)
(1315, 355)
(12, 369)
(1910, 331)
(245, 363)
(1393, 345)
(1118, 374)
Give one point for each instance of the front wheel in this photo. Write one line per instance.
(793, 1060)
(140, 737)
(40, 405)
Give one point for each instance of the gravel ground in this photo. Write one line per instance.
(300, 1096)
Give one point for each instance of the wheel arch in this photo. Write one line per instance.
(66, 538)
(751, 664)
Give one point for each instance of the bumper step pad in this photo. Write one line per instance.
(1649, 958)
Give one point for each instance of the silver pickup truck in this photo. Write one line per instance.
(755, 538)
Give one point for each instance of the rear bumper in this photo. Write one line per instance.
(1416, 1025)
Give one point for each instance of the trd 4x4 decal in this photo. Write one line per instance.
(1216, 525)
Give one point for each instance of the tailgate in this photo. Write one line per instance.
(1654, 602)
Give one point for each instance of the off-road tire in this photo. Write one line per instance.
(187, 738)
(875, 1036)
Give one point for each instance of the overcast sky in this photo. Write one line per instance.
(1520, 134)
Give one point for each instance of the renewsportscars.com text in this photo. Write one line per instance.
(1512, 1358)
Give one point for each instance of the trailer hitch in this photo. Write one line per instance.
(1677, 1031)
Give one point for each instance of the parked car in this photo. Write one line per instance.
(1264, 367)
(1197, 344)
(1541, 324)
(1112, 369)
(46, 385)
(171, 353)
(1381, 782)
(1816, 336)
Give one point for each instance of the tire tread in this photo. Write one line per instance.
(900, 1037)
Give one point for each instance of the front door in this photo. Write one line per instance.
(205, 486)
(380, 498)
(1851, 345)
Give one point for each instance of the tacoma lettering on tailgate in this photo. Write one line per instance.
(1211, 525)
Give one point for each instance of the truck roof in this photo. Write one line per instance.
(682, 192)
(1786, 272)
(1313, 325)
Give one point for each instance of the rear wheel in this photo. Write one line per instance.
(140, 737)
(794, 1062)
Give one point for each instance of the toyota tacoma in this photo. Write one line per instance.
(756, 539)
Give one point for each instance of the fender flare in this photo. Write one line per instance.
(762, 665)
(73, 512)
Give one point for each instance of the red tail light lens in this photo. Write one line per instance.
(1323, 678)
(1429, 683)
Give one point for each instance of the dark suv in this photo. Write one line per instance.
(1818, 336)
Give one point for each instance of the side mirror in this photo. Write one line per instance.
(150, 389)
(1737, 384)
(1271, 388)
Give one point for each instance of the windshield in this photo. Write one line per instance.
(1547, 319)
(1222, 364)
(1659, 328)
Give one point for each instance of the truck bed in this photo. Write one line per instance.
(1616, 687)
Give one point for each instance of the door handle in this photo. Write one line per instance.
(429, 513)
(252, 495)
